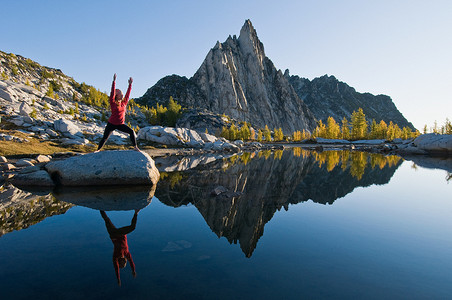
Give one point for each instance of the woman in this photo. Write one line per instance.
(118, 105)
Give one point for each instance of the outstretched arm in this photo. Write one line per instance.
(129, 89)
(113, 89)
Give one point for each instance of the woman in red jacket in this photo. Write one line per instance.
(118, 106)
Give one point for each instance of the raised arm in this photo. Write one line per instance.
(126, 97)
(113, 89)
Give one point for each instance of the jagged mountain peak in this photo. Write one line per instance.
(248, 40)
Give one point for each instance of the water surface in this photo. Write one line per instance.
(287, 224)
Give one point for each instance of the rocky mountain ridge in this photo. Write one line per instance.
(238, 79)
(327, 96)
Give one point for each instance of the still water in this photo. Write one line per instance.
(269, 225)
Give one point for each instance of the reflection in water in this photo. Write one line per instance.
(21, 209)
(256, 185)
(355, 161)
(118, 237)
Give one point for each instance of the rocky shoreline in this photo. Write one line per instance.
(35, 170)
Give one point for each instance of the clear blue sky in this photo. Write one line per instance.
(399, 48)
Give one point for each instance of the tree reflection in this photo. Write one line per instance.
(353, 161)
(255, 185)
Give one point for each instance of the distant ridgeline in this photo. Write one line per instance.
(237, 79)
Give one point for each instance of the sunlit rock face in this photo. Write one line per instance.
(239, 80)
(326, 96)
(106, 168)
(256, 185)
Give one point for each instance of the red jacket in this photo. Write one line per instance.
(121, 249)
(118, 112)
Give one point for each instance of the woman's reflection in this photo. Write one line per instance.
(118, 236)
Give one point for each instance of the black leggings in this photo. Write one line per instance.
(123, 128)
(117, 232)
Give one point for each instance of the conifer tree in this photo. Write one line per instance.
(382, 130)
(320, 130)
(259, 135)
(233, 132)
(245, 132)
(448, 127)
(225, 132)
(333, 129)
(173, 112)
(406, 133)
(359, 125)
(267, 134)
(373, 134)
(390, 132)
(345, 129)
(278, 134)
(296, 137)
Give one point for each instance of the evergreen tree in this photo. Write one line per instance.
(406, 133)
(173, 112)
(296, 137)
(50, 92)
(382, 130)
(267, 134)
(373, 130)
(245, 132)
(278, 135)
(333, 129)
(259, 135)
(225, 132)
(345, 129)
(448, 127)
(390, 132)
(233, 132)
(359, 125)
(320, 130)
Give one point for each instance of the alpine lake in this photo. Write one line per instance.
(289, 224)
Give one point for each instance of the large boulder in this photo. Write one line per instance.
(434, 143)
(68, 128)
(171, 136)
(39, 178)
(105, 168)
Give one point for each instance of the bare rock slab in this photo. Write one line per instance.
(38, 178)
(105, 168)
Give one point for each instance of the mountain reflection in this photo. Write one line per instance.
(239, 195)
